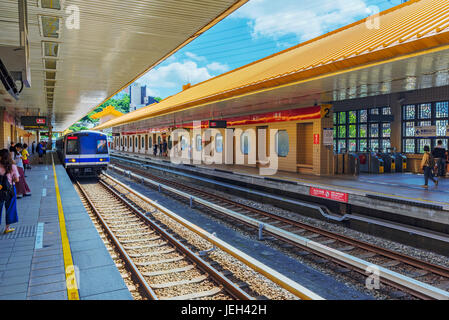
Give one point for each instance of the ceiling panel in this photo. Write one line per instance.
(117, 40)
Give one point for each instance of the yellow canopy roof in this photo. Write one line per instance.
(109, 110)
(405, 29)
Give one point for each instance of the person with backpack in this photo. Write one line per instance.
(427, 164)
(9, 175)
(40, 151)
(439, 154)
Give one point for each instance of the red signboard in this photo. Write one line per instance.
(40, 120)
(316, 138)
(329, 194)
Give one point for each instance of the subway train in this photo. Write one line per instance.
(83, 153)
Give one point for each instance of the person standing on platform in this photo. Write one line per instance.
(155, 149)
(33, 147)
(25, 155)
(427, 164)
(439, 153)
(11, 147)
(160, 148)
(164, 146)
(22, 186)
(40, 151)
(9, 175)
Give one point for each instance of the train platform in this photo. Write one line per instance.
(399, 194)
(54, 243)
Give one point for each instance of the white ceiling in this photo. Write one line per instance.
(117, 40)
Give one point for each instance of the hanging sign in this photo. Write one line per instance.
(316, 138)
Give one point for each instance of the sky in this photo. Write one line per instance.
(256, 30)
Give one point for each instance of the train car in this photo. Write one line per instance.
(84, 153)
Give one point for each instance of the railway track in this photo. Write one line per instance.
(164, 268)
(416, 274)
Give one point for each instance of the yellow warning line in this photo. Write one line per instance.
(72, 287)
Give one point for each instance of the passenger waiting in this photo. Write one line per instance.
(40, 151)
(22, 186)
(164, 146)
(439, 153)
(25, 155)
(427, 164)
(8, 176)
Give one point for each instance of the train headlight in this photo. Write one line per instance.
(101, 160)
(72, 160)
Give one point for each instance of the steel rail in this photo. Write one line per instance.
(270, 273)
(436, 269)
(131, 266)
(404, 283)
(230, 287)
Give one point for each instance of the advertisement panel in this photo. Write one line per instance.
(329, 194)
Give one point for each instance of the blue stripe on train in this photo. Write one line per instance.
(80, 160)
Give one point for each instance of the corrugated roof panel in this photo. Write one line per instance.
(407, 28)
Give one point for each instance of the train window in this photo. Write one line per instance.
(199, 145)
(150, 142)
(282, 143)
(219, 142)
(183, 143)
(73, 147)
(244, 143)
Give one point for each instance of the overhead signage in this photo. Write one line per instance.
(33, 122)
(425, 132)
(328, 136)
(329, 194)
(217, 124)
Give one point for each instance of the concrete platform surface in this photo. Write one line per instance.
(31, 258)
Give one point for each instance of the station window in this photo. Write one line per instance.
(143, 143)
(150, 142)
(424, 114)
(244, 143)
(199, 142)
(219, 142)
(136, 142)
(169, 143)
(159, 139)
(362, 130)
(183, 142)
(282, 143)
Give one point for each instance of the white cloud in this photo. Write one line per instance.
(173, 76)
(195, 57)
(306, 19)
(218, 67)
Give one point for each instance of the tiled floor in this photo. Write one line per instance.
(30, 272)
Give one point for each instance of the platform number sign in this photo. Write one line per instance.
(325, 111)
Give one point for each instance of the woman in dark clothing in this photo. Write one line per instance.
(8, 195)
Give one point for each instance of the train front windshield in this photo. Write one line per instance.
(93, 145)
(87, 144)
